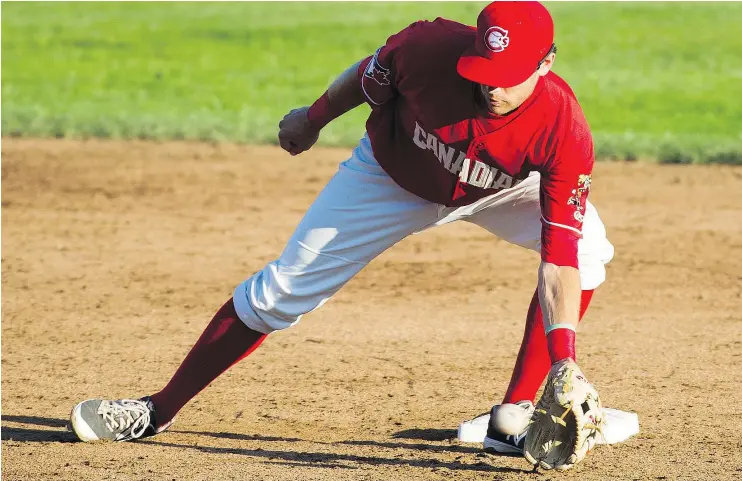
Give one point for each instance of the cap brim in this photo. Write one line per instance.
(490, 72)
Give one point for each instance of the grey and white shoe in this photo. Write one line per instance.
(496, 442)
(120, 420)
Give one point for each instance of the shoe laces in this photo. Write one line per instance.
(120, 416)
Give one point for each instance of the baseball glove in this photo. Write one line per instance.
(567, 420)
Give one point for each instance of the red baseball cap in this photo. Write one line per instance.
(512, 38)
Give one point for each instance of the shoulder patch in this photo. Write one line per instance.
(376, 72)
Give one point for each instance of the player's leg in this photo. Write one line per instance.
(359, 214)
(225, 341)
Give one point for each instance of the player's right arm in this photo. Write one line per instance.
(299, 129)
(371, 80)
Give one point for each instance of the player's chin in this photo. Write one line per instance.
(501, 108)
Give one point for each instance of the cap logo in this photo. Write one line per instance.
(496, 39)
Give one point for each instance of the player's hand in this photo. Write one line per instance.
(295, 133)
(567, 420)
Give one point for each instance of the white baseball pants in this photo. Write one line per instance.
(361, 213)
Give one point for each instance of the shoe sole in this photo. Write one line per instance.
(493, 446)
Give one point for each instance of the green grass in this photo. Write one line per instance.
(659, 80)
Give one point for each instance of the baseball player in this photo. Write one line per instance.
(466, 124)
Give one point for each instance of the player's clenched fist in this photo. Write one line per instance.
(295, 133)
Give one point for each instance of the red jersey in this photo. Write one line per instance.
(429, 136)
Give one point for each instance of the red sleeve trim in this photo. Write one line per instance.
(321, 112)
(562, 226)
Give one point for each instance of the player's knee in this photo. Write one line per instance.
(594, 243)
(595, 251)
(270, 301)
(592, 272)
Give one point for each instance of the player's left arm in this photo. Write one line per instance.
(559, 294)
(565, 184)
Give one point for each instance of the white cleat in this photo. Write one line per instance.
(497, 442)
(121, 420)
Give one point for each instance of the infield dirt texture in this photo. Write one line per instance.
(116, 255)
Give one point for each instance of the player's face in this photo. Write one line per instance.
(502, 101)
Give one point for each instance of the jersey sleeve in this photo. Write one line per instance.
(565, 185)
(380, 72)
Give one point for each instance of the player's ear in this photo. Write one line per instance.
(546, 64)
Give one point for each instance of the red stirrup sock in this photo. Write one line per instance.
(534, 359)
(224, 342)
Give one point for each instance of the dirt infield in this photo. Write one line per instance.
(115, 256)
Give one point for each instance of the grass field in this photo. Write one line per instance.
(657, 80)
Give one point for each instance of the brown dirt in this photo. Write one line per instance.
(115, 255)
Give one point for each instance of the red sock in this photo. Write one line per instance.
(534, 361)
(224, 342)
